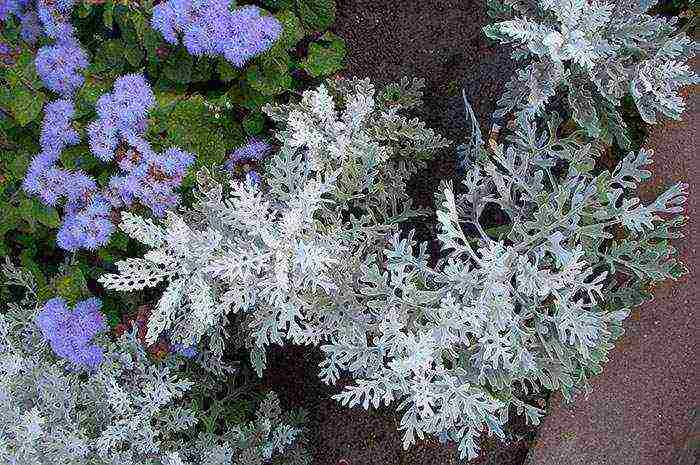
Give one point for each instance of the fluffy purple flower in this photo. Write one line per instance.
(79, 186)
(31, 27)
(56, 129)
(102, 138)
(8, 55)
(253, 150)
(12, 7)
(55, 17)
(132, 98)
(151, 178)
(60, 66)
(70, 333)
(175, 162)
(46, 182)
(185, 351)
(209, 28)
(122, 114)
(253, 177)
(82, 229)
(171, 17)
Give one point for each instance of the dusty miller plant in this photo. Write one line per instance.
(283, 254)
(598, 51)
(129, 411)
(461, 344)
(314, 255)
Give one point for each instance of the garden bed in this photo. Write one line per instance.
(284, 230)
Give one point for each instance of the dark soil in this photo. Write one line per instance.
(440, 41)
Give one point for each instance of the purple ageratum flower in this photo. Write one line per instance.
(79, 186)
(102, 138)
(254, 150)
(148, 177)
(55, 17)
(84, 230)
(70, 333)
(64, 6)
(132, 98)
(209, 28)
(56, 130)
(12, 7)
(185, 351)
(151, 179)
(169, 18)
(42, 162)
(31, 27)
(121, 113)
(253, 177)
(174, 162)
(47, 183)
(59, 66)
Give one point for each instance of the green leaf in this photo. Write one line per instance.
(292, 30)
(178, 67)
(110, 58)
(152, 40)
(83, 10)
(226, 71)
(270, 75)
(71, 285)
(316, 15)
(326, 57)
(108, 14)
(254, 123)
(48, 216)
(87, 96)
(247, 97)
(277, 4)
(26, 105)
(122, 16)
(201, 69)
(24, 67)
(134, 55)
(190, 125)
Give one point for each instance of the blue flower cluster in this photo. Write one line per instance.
(146, 177)
(210, 28)
(243, 159)
(59, 65)
(70, 333)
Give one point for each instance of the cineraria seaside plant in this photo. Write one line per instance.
(334, 189)
(598, 51)
(129, 410)
(314, 256)
(211, 28)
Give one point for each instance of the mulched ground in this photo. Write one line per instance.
(440, 41)
(644, 406)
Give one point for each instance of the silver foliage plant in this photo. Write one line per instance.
(597, 51)
(281, 254)
(131, 411)
(314, 255)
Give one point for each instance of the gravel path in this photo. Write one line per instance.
(642, 408)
